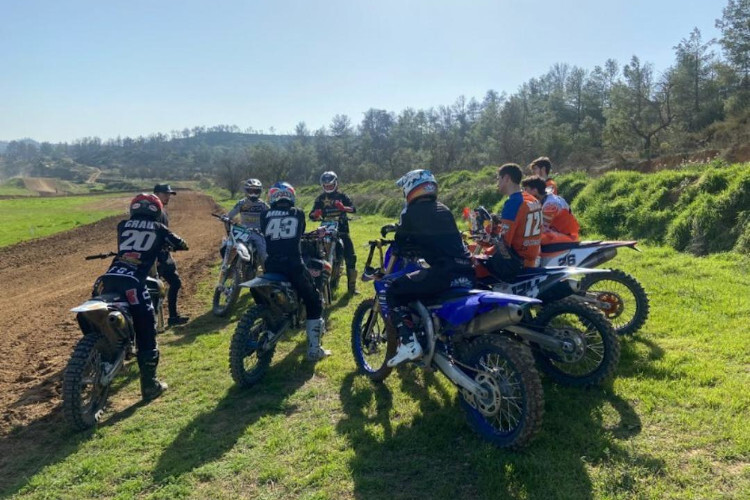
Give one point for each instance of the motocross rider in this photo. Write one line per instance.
(541, 167)
(167, 268)
(139, 241)
(517, 230)
(428, 229)
(250, 208)
(332, 204)
(559, 224)
(283, 225)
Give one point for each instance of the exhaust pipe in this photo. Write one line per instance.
(116, 320)
(599, 258)
(495, 319)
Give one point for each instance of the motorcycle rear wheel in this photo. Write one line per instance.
(598, 358)
(83, 396)
(512, 414)
(629, 301)
(231, 282)
(372, 347)
(247, 363)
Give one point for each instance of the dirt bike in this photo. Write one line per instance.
(461, 333)
(313, 249)
(616, 293)
(108, 341)
(277, 309)
(239, 262)
(591, 351)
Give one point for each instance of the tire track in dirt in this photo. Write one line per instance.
(42, 279)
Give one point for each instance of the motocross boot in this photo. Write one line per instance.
(151, 387)
(314, 332)
(351, 276)
(409, 347)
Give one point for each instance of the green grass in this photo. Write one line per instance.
(15, 187)
(672, 425)
(28, 218)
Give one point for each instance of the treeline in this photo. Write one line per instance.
(613, 114)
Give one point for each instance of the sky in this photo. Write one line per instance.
(74, 69)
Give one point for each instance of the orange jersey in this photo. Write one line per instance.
(521, 226)
(551, 186)
(558, 217)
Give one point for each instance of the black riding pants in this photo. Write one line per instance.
(141, 308)
(168, 270)
(303, 283)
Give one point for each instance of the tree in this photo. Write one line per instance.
(229, 174)
(691, 79)
(735, 30)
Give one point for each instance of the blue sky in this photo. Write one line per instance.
(71, 69)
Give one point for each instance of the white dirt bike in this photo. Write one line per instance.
(239, 263)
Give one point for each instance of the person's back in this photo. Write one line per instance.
(521, 226)
(283, 227)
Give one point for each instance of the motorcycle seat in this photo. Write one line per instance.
(566, 245)
(110, 297)
(274, 277)
(448, 295)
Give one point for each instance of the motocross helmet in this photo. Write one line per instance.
(147, 206)
(329, 181)
(418, 183)
(253, 189)
(281, 191)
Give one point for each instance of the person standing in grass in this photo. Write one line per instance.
(166, 266)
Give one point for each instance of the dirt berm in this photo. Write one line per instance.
(42, 279)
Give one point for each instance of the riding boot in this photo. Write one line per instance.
(351, 275)
(151, 387)
(409, 347)
(314, 332)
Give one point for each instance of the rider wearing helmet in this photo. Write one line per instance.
(250, 208)
(428, 229)
(559, 225)
(332, 204)
(283, 225)
(139, 241)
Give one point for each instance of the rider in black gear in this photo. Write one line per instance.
(139, 241)
(167, 267)
(283, 225)
(332, 204)
(428, 229)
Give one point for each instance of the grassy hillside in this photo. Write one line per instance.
(703, 208)
(672, 425)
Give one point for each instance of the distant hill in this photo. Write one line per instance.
(4, 144)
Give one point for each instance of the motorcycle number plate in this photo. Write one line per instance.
(240, 234)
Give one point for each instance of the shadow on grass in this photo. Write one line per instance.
(49, 439)
(436, 455)
(208, 322)
(211, 434)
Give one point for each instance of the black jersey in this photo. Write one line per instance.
(283, 229)
(429, 227)
(139, 242)
(326, 202)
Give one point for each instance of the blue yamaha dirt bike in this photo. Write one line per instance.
(461, 332)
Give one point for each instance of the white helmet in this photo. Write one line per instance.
(418, 183)
(329, 181)
(253, 188)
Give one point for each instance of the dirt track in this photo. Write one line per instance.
(42, 279)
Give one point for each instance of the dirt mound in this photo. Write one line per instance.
(40, 184)
(44, 278)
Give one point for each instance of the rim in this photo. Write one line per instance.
(622, 311)
(504, 408)
(587, 351)
(250, 356)
(372, 341)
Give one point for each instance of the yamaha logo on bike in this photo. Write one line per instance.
(461, 282)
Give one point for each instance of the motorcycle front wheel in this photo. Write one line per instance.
(372, 347)
(511, 414)
(249, 358)
(594, 347)
(83, 395)
(227, 291)
(625, 301)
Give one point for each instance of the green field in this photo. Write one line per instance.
(673, 424)
(28, 218)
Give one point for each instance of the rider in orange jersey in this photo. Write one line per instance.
(560, 225)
